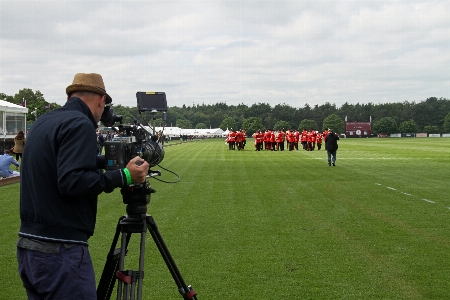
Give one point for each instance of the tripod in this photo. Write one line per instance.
(137, 221)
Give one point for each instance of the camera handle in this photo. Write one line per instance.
(129, 280)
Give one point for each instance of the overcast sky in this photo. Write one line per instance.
(292, 52)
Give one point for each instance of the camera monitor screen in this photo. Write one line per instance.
(149, 101)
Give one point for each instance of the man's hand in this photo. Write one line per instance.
(138, 168)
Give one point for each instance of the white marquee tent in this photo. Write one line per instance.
(177, 131)
(13, 118)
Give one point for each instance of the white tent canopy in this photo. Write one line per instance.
(202, 132)
(177, 131)
(225, 133)
(13, 119)
(172, 132)
(11, 107)
(169, 131)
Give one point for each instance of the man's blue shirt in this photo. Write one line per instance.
(5, 161)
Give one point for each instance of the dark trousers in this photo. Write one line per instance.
(331, 156)
(18, 155)
(68, 274)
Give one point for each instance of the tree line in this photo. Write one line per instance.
(431, 115)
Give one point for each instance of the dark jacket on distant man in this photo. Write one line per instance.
(331, 141)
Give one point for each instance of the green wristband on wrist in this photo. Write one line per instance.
(128, 176)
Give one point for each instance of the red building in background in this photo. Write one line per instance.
(358, 129)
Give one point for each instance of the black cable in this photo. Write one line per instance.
(178, 176)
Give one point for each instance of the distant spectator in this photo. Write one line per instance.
(108, 135)
(100, 142)
(19, 143)
(5, 161)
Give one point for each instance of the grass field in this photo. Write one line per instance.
(285, 225)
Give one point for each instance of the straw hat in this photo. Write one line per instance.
(92, 82)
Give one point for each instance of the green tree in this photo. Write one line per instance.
(216, 119)
(174, 114)
(260, 110)
(431, 129)
(307, 124)
(199, 117)
(409, 126)
(284, 112)
(334, 122)
(322, 111)
(282, 125)
(252, 124)
(430, 112)
(183, 123)
(29, 96)
(7, 98)
(158, 122)
(228, 123)
(200, 126)
(447, 123)
(385, 125)
(39, 108)
(125, 112)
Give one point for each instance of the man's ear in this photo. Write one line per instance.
(101, 101)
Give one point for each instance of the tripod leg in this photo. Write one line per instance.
(129, 280)
(186, 291)
(141, 261)
(108, 278)
(121, 264)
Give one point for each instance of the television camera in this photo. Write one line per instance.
(137, 141)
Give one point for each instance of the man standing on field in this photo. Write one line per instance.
(331, 146)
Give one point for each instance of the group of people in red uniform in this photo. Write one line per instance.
(236, 139)
(274, 140)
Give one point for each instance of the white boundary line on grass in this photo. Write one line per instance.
(429, 201)
(407, 194)
(368, 158)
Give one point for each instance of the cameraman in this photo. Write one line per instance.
(60, 180)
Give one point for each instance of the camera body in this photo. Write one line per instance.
(120, 151)
(135, 139)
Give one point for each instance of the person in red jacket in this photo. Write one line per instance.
(286, 136)
(255, 141)
(296, 139)
(319, 140)
(260, 140)
(239, 139)
(272, 140)
(309, 140)
(280, 140)
(231, 140)
(313, 139)
(303, 140)
(290, 137)
(266, 140)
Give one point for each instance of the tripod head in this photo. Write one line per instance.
(137, 196)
